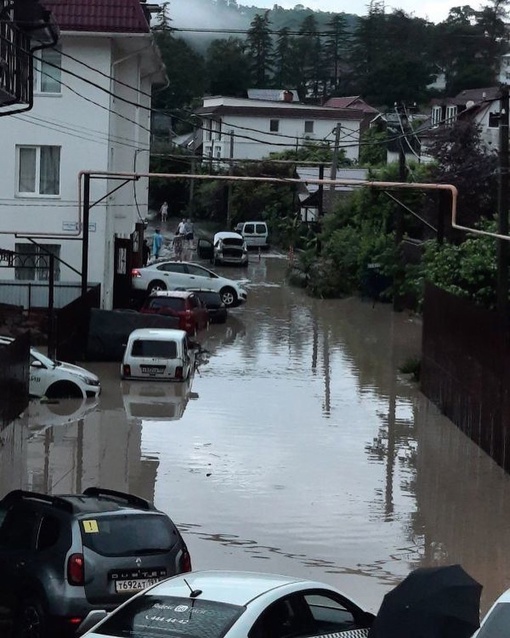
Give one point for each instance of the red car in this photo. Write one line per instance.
(184, 305)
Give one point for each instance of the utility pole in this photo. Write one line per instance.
(503, 252)
(334, 163)
(230, 172)
(399, 217)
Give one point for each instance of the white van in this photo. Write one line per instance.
(159, 354)
(255, 234)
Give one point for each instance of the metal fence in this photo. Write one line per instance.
(73, 326)
(466, 369)
(14, 375)
(33, 294)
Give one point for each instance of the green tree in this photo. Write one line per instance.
(336, 47)
(228, 69)
(284, 66)
(310, 60)
(260, 49)
(373, 147)
(464, 161)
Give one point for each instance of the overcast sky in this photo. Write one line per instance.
(433, 10)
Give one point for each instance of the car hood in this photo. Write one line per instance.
(72, 369)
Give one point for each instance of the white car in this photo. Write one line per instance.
(229, 248)
(157, 354)
(229, 604)
(56, 379)
(496, 622)
(170, 275)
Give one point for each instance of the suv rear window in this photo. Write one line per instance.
(210, 297)
(167, 616)
(127, 534)
(154, 348)
(173, 303)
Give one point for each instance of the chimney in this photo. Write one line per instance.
(287, 96)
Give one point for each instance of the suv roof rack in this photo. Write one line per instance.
(131, 499)
(20, 495)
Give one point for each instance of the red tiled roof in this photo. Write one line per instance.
(352, 102)
(93, 16)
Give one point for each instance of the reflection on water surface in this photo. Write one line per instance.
(303, 451)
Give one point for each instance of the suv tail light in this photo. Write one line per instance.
(135, 273)
(76, 569)
(178, 372)
(126, 370)
(185, 563)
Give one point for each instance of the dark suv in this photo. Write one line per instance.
(64, 556)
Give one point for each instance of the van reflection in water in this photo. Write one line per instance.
(156, 401)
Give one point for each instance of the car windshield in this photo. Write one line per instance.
(125, 535)
(497, 624)
(171, 617)
(154, 348)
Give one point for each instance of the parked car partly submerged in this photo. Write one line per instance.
(225, 248)
(229, 604)
(171, 275)
(216, 309)
(57, 379)
(185, 305)
(158, 354)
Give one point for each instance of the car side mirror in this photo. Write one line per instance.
(37, 364)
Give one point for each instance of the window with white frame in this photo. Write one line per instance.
(38, 170)
(274, 126)
(309, 126)
(436, 115)
(451, 113)
(32, 262)
(47, 71)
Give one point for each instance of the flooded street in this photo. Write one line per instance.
(299, 448)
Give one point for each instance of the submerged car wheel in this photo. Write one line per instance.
(64, 390)
(31, 620)
(228, 296)
(154, 286)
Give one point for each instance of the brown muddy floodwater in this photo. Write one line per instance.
(298, 449)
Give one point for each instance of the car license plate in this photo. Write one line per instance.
(152, 370)
(136, 584)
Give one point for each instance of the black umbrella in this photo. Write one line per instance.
(435, 602)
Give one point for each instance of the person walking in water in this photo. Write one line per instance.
(164, 211)
(157, 242)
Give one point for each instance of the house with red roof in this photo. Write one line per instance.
(91, 112)
(252, 128)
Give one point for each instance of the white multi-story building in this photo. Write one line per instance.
(241, 128)
(91, 112)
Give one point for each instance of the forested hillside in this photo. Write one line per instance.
(222, 47)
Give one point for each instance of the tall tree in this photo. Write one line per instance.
(336, 47)
(309, 51)
(228, 69)
(260, 49)
(284, 66)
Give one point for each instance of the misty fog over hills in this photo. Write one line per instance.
(212, 15)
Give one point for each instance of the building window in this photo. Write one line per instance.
(32, 262)
(494, 120)
(47, 71)
(451, 114)
(436, 115)
(274, 125)
(309, 127)
(39, 170)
